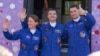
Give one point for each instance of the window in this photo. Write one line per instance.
(68, 4)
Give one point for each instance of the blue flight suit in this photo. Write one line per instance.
(28, 41)
(51, 38)
(78, 33)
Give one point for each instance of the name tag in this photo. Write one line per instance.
(82, 34)
(35, 38)
(58, 31)
(28, 37)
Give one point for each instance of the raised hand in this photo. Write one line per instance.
(81, 10)
(5, 24)
(23, 14)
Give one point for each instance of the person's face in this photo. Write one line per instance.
(52, 15)
(74, 13)
(31, 23)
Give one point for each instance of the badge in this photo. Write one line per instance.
(35, 38)
(23, 46)
(28, 37)
(82, 34)
(36, 47)
(58, 40)
(46, 29)
(58, 31)
(44, 39)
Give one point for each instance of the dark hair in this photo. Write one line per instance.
(35, 18)
(52, 9)
(76, 6)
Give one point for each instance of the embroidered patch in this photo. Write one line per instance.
(23, 46)
(82, 34)
(44, 39)
(58, 40)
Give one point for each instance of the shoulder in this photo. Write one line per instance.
(60, 25)
(23, 30)
(44, 24)
(83, 19)
(38, 31)
(68, 23)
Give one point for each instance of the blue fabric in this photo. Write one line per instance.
(50, 36)
(28, 41)
(78, 33)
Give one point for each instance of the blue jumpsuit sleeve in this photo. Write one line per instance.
(89, 21)
(65, 32)
(24, 24)
(14, 36)
(62, 35)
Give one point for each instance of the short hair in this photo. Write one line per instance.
(35, 18)
(76, 6)
(52, 9)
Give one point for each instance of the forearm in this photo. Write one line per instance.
(7, 34)
(24, 24)
(90, 19)
(10, 36)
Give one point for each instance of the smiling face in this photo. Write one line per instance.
(33, 21)
(74, 13)
(52, 15)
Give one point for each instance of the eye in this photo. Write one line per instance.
(74, 10)
(71, 11)
(50, 13)
(54, 14)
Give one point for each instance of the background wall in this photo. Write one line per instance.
(96, 28)
(10, 9)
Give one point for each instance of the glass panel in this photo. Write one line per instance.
(68, 4)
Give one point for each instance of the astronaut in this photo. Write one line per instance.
(52, 32)
(29, 37)
(78, 31)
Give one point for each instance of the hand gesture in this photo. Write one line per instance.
(23, 14)
(5, 24)
(81, 10)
